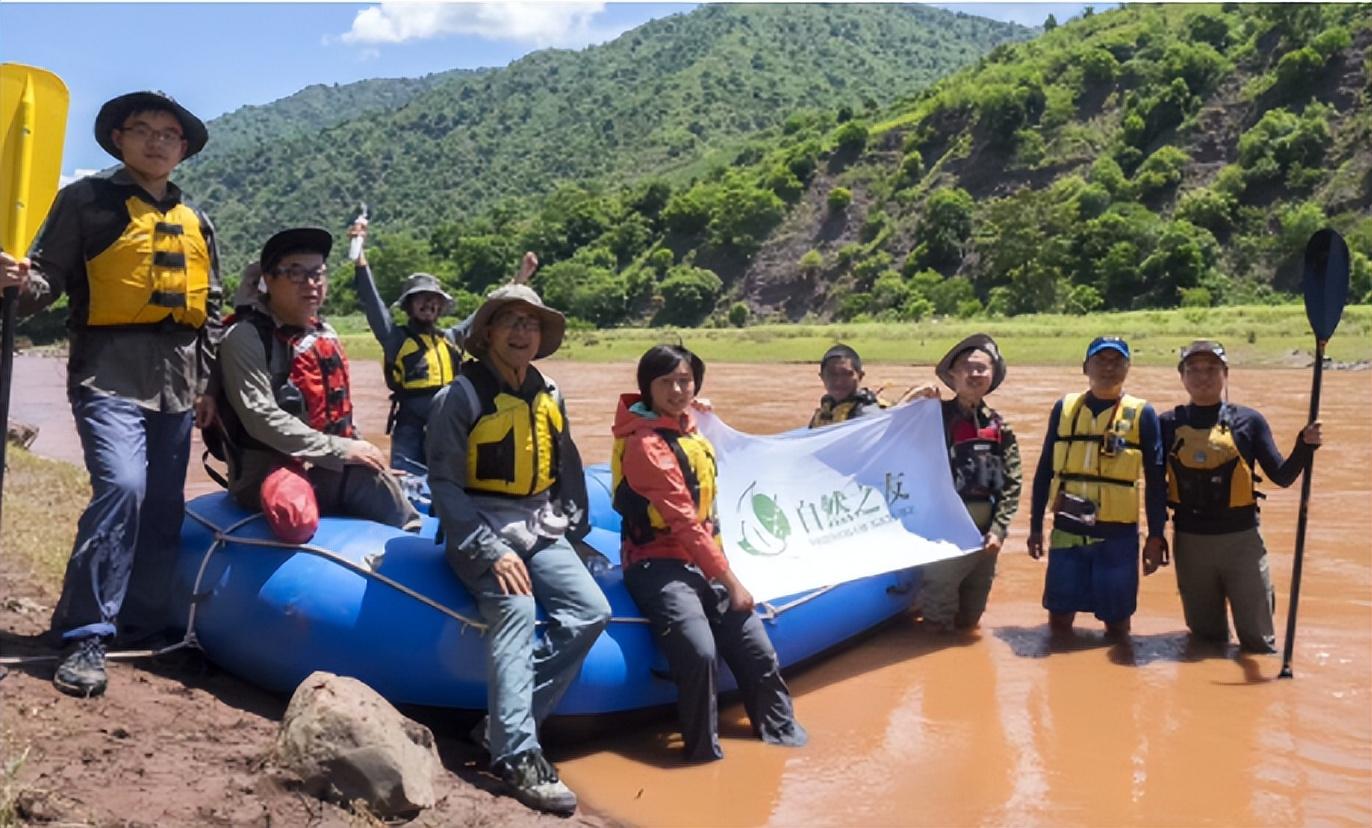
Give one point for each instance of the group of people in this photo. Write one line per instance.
(1197, 460)
(269, 386)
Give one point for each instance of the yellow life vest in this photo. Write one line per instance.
(1206, 475)
(641, 519)
(423, 364)
(1099, 457)
(830, 412)
(158, 268)
(512, 447)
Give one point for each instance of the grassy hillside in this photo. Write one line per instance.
(1147, 157)
(658, 98)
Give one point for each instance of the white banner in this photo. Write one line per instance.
(815, 507)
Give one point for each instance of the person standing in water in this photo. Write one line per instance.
(840, 369)
(418, 357)
(1099, 443)
(984, 457)
(1212, 445)
(663, 473)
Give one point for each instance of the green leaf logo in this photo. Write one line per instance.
(770, 516)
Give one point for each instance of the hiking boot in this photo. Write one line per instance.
(533, 781)
(481, 734)
(82, 671)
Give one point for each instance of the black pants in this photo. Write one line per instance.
(693, 624)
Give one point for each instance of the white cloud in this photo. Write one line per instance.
(63, 179)
(565, 24)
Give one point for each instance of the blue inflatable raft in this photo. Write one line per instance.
(381, 605)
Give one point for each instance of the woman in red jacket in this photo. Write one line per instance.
(674, 566)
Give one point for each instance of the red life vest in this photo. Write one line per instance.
(976, 458)
(313, 386)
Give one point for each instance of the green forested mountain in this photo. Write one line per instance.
(1147, 157)
(312, 109)
(657, 100)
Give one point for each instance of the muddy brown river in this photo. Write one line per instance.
(1000, 726)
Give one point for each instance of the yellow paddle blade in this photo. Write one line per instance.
(33, 123)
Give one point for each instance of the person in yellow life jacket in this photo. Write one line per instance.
(1099, 443)
(984, 457)
(1212, 446)
(844, 397)
(663, 472)
(510, 494)
(140, 266)
(418, 357)
(292, 448)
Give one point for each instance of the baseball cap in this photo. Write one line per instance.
(1108, 343)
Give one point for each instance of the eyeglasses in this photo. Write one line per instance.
(514, 322)
(299, 275)
(148, 135)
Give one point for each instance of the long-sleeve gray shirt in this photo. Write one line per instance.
(393, 336)
(161, 367)
(248, 388)
(480, 527)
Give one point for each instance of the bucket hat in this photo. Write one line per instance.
(423, 283)
(115, 110)
(975, 342)
(554, 323)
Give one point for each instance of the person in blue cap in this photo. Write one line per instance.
(1099, 443)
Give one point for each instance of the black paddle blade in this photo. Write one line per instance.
(1325, 282)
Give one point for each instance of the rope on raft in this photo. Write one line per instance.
(769, 612)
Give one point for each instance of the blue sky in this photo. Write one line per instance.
(216, 57)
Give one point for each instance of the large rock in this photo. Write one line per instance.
(347, 743)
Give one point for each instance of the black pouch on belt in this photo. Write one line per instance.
(1077, 508)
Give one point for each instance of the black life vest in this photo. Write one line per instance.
(309, 379)
(976, 457)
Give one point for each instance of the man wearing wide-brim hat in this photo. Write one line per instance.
(984, 457)
(418, 357)
(140, 266)
(509, 491)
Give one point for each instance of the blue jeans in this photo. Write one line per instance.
(128, 538)
(527, 674)
(407, 444)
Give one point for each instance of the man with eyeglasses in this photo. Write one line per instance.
(1211, 448)
(140, 266)
(509, 491)
(418, 358)
(288, 434)
(1099, 443)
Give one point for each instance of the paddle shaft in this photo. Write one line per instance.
(1300, 522)
(7, 322)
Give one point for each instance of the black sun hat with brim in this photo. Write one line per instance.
(311, 239)
(975, 342)
(115, 110)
